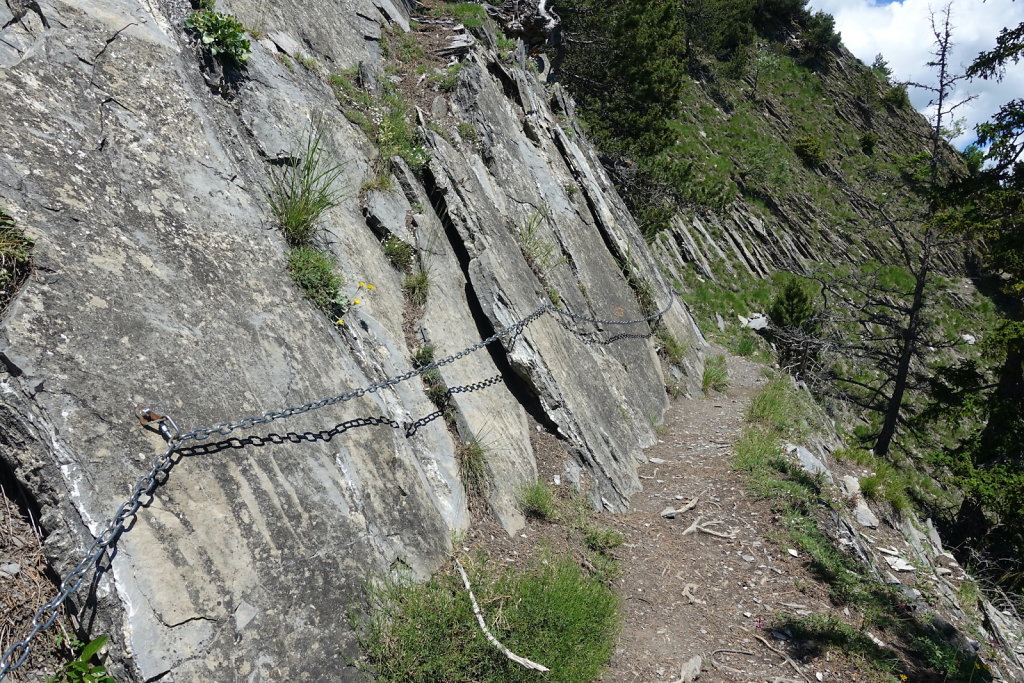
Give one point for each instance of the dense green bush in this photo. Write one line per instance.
(810, 149)
(896, 97)
(820, 34)
(867, 141)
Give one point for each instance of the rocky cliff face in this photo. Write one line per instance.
(140, 170)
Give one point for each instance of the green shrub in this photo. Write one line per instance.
(416, 285)
(810, 149)
(793, 307)
(820, 34)
(313, 272)
(715, 376)
(551, 613)
(538, 500)
(15, 258)
(221, 34)
(896, 97)
(301, 192)
(398, 253)
(867, 141)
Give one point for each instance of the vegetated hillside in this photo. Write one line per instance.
(752, 143)
(778, 148)
(237, 213)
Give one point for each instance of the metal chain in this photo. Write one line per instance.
(44, 617)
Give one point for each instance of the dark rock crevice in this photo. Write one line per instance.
(517, 383)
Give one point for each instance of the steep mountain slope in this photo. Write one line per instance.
(139, 162)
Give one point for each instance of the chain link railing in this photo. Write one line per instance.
(18, 653)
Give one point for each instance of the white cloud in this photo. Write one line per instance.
(901, 32)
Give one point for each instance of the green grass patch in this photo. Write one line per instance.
(416, 285)
(399, 253)
(716, 375)
(551, 613)
(446, 79)
(313, 272)
(601, 539)
(538, 500)
(782, 408)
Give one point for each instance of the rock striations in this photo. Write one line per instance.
(140, 171)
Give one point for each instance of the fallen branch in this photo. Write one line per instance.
(693, 527)
(698, 526)
(669, 513)
(487, 632)
(785, 657)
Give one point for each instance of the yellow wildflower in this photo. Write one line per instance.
(356, 302)
(339, 321)
(370, 287)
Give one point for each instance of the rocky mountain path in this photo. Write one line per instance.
(709, 582)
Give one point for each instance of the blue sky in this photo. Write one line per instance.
(900, 30)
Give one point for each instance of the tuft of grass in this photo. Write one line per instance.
(538, 252)
(301, 192)
(538, 500)
(551, 613)
(601, 539)
(406, 48)
(715, 376)
(399, 253)
(416, 285)
(313, 272)
(886, 484)
(15, 258)
(472, 456)
(308, 62)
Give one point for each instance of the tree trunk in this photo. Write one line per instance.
(911, 338)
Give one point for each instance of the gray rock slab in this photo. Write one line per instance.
(810, 462)
(161, 280)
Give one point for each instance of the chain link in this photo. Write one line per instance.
(17, 653)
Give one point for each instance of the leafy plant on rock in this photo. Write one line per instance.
(82, 669)
(221, 34)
